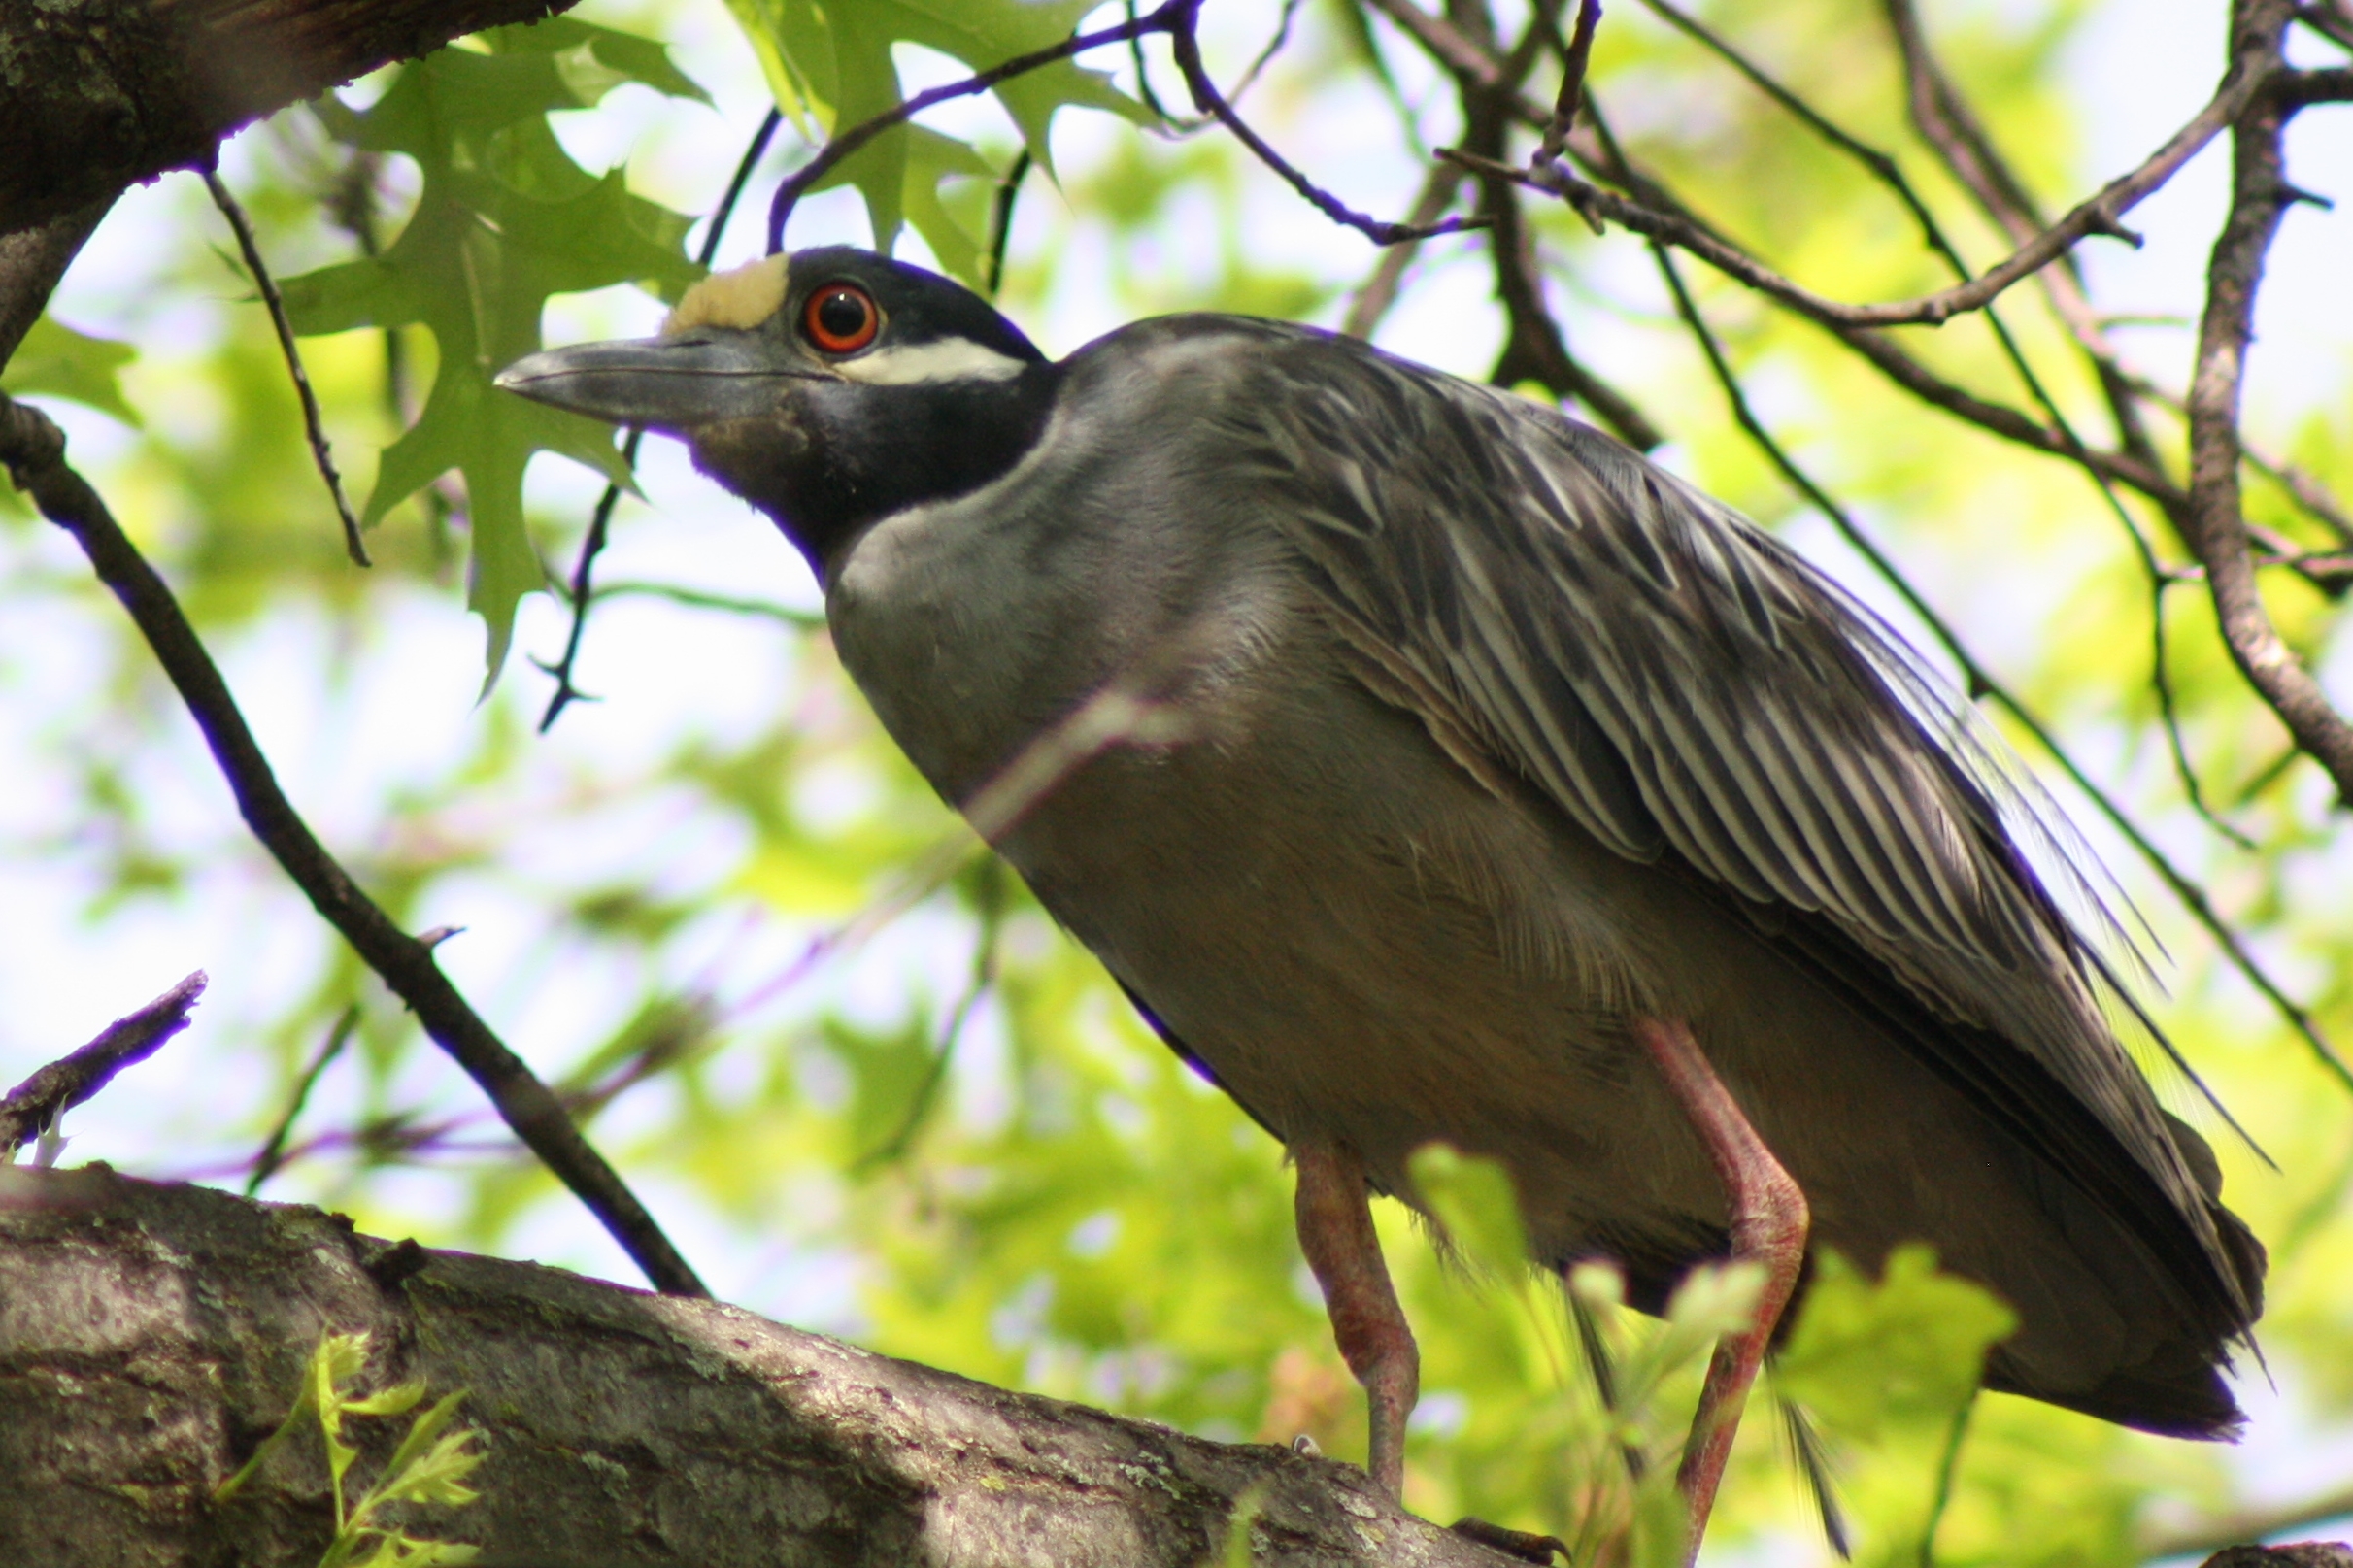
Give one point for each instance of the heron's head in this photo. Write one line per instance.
(828, 388)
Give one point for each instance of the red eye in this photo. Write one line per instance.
(841, 319)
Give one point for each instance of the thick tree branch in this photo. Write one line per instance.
(31, 262)
(2260, 196)
(622, 1428)
(97, 94)
(33, 449)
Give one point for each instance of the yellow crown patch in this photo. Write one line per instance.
(741, 297)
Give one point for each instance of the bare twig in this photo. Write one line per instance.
(272, 1154)
(1143, 76)
(1983, 682)
(2100, 215)
(1266, 56)
(312, 422)
(34, 452)
(1573, 61)
(1187, 48)
(1000, 219)
(68, 1081)
(1944, 119)
(1451, 49)
(600, 521)
(1162, 18)
(2260, 196)
(1534, 348)
(697, 599)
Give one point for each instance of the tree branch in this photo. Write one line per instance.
(1534, 348)
(2260, 196)
(314, 424)
(34, 452)
(1162, 18)
(71, 1080)
(583, 596)
(100, 93)
(621, 1428)
(1186, 46)
(31, 262)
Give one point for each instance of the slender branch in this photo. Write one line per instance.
(1143, 75)
(272, 1154)
(1983, 682)
(313, 422)
(1534, 348)
(697, 598)
(1458, 52)
(1000, 219)
(1946, 121)
(2333, 20)
(1162, 18)
(1573, 61)
(1187, 48)
(2260, 197)
(1266, 56)
(34, 452)
(600, 521)
(68, 1081)
(2098, 215)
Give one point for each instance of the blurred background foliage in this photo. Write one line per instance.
(856, 1071)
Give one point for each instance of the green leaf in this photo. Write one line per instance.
(1246, 1511)
(55, 359)
(834, 63)
(1910, 1347)
(954, 226)
(1472, 1199)
(504, 220)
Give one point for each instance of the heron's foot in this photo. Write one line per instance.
(1520, 1544)
(1336, 1232)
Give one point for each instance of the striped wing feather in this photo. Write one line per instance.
(1687, 688)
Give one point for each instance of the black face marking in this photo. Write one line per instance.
(835, 455)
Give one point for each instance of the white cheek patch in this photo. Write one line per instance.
(741, 297)
(951, 360)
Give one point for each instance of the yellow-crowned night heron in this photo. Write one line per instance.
(1429, 766)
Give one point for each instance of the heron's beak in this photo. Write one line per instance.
(673, 384)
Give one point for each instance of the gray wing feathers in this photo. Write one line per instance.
(1674, 680)
(1682, 681)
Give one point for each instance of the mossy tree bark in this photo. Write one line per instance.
(151, 1335)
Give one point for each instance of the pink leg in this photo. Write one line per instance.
(1336, 1232)
(1769, 1222)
